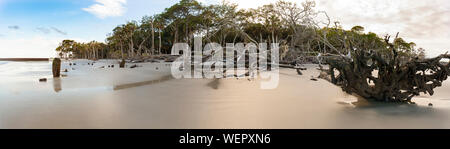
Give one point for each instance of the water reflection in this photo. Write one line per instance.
(214, 84)
(390, 109)
(57, 84)
(144, 83)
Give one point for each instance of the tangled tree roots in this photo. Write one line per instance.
(386, 77)
(394, 82)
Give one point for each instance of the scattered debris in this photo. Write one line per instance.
(430, 104)
(152, 61)
(43, 80)
(170, 59)
(137, 61)
(65, 70)
(133, 66)
(287, 66)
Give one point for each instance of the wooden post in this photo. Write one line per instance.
(56, 68)
(122, 63)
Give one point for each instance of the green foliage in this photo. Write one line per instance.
(282, 22)
(358, 29)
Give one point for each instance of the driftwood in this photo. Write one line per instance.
(133, 66)
(43, 80)
(386, 76)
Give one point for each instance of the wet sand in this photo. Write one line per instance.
(147, 97)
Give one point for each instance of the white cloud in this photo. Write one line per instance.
(424, 22)
(48, 30)
(31, 47)
(244, 4)
(107, 8)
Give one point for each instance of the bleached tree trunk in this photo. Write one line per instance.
(160, 42)
(141, 45)
(132, 54)
(121, 49)
(153, 40)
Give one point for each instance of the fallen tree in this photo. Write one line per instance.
(386, 76)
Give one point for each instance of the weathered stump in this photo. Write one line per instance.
(122, 63)
(56, 67)
(383, 78)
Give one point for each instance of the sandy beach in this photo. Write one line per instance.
(148, 97)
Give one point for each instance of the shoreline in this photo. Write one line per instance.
(24, 59)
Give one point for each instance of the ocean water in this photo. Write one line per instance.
(23, 71)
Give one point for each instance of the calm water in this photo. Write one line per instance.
(147, 97)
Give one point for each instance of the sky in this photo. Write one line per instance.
(34, 28)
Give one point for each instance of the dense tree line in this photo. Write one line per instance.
(297, 28)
